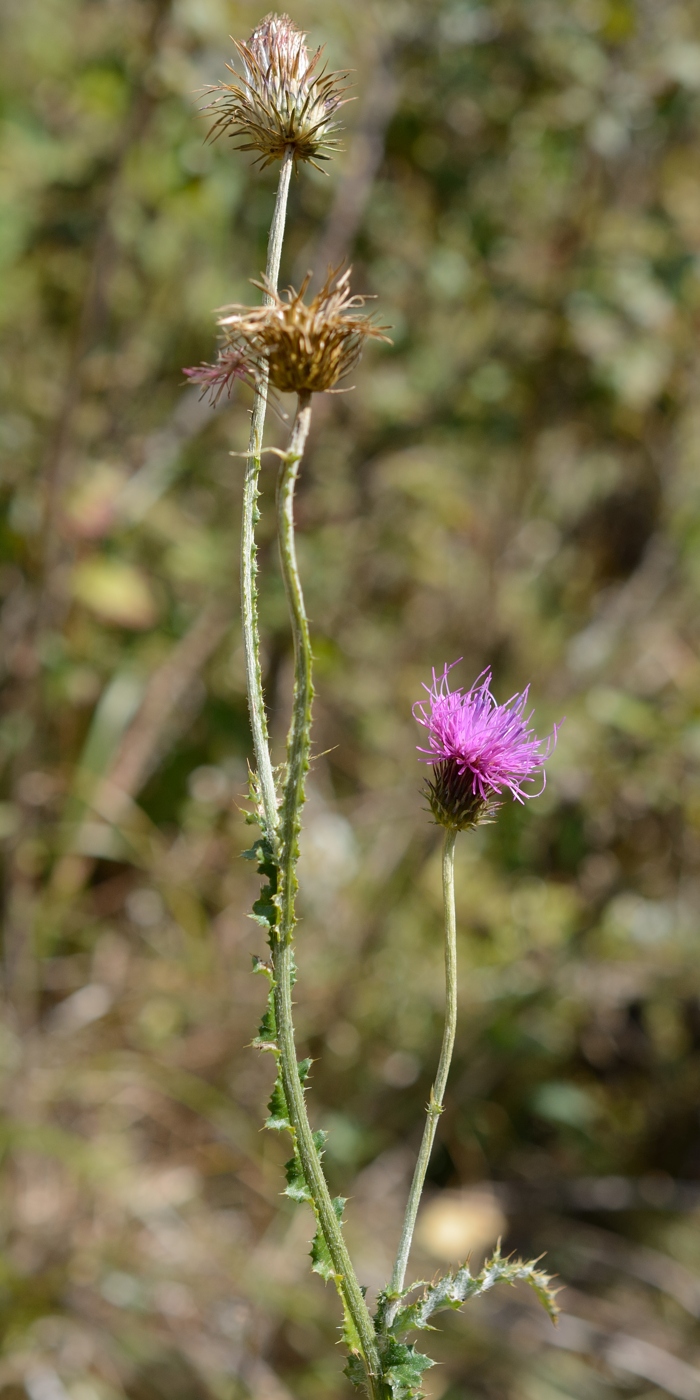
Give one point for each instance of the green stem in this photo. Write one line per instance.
(437, 1093)
(299, 737)
(298, 744)
(249, 565)
(313, 1172)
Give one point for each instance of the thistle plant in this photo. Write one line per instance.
(283, 107)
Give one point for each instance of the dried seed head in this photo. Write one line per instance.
(282, 99)
(306, 348)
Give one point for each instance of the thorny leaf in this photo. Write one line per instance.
(321, 1262)
(454, 1290)
(266, 1038)
(296, 1187)
(403, 1367)
(278, 1114)
(264, 908)
(354, 1368)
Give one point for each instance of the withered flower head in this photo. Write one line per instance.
(282, 99)
(307, 348)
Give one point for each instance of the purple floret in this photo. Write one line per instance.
(214, 379)
(478, 749)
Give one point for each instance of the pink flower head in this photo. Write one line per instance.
(230, 366)
(478, 749)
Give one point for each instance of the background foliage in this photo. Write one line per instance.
(515, 482)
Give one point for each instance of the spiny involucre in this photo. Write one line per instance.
(478, 749)
(307, 348)
(230, 365)
(282, 100)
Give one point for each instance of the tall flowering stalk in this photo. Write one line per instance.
(283, 106)
(478, 750)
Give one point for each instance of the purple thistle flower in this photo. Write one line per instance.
(478, 749)
(230, 366)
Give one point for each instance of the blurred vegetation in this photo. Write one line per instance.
(516, 483)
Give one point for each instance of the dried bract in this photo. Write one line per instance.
(477, 748)
(282, 99)
(307, 348)
(231, 364)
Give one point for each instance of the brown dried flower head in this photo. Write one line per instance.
(307, 348)
(282, 99)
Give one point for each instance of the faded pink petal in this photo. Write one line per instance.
(230, 366)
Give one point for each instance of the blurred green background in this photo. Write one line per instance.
(515, 482)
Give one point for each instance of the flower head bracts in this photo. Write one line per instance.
(213, 379)
(307, 348)
(478, 749)
(281, 100)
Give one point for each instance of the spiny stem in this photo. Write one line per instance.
(297, 765)
(249, 566)
(437, 1093)
(313, 1171)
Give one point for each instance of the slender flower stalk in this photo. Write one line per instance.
(477, 749)
(298, 745)
(249, 565)
(437, 1093)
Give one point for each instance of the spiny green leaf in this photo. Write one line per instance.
(296, 1186)
(350, 1333)
(321, 1262)
(455, 1289)
(266, 862)
(264, 909)
(384, 1300)
(296, 1181)
(402, 1368)
(255, 851)
(266, 1038)
(277, 1107)
(278, 1113)
(355, 1371)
